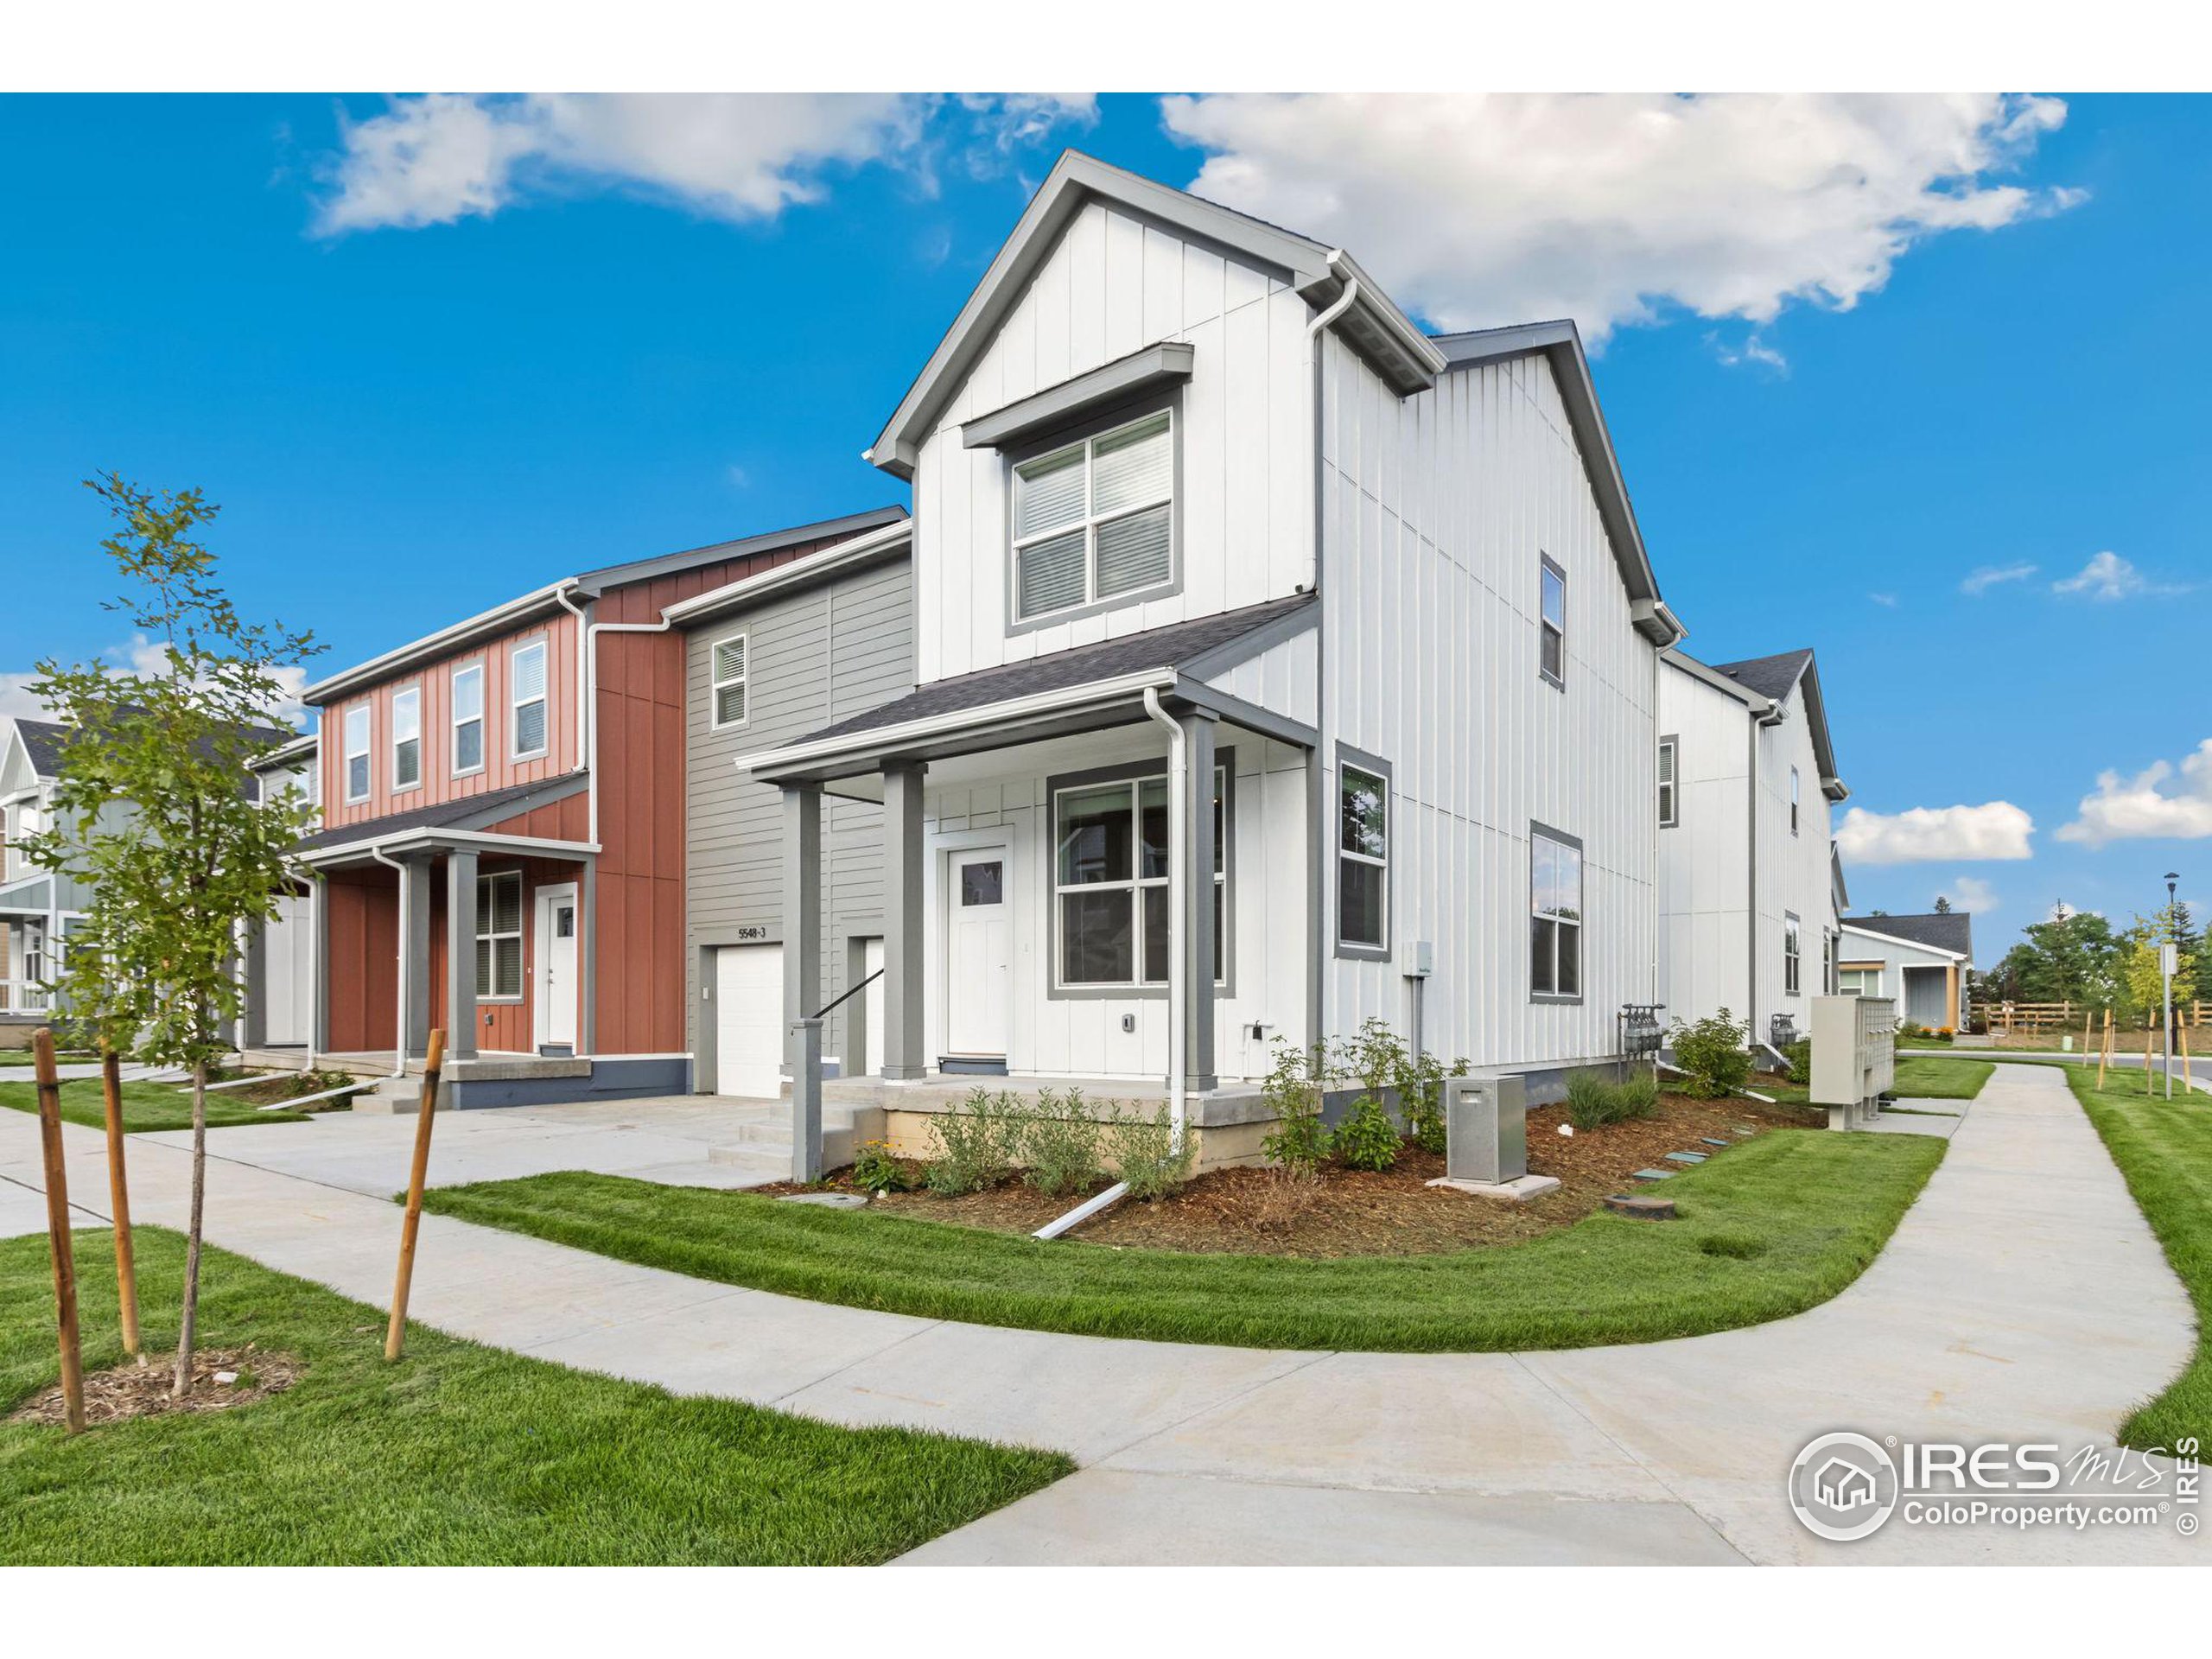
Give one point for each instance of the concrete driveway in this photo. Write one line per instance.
(2022, 1299)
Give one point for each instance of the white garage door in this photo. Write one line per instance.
(749, 1020)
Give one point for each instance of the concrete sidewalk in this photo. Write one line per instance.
(2023, 1298)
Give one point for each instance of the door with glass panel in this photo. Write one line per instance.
(979, 954)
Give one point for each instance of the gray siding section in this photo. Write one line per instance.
(813, 659)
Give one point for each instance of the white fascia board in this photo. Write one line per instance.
(430, 838)
(815, 567)
(430, 645)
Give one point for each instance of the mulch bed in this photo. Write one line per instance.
(134, 1390)
(1355, 1212)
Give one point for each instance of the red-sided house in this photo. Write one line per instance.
(508, 793)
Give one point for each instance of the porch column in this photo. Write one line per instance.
(460, 954)
(1197, 830)
(587, 958)
(903, 1056)
(254, 1022)
(802, 910)
(416, 945)
(319, 964)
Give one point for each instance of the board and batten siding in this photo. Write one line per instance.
(1794, 874)
(813, 657)
(1705, 862)
(1112, 285)
(1437, 509)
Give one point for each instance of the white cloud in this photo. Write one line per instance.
(2108, 576)
(1987, 576)
(1887, 601)
(1971, 894)
(141, 656)
(434, 159)
(1926, 835)
(1754, 351)
(2133, 809)
(1484, 210)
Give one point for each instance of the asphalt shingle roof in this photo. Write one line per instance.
(45, 739)
(1952, 932)
(470, 812)
(1770, 676)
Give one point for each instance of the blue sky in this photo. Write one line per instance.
(428, 358)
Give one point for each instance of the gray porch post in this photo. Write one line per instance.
(902, 921)
(461, 955)
(801, 910)
(587, 959)
(318, 950)
(416, 945)
(1197, 830)
(255, 1021)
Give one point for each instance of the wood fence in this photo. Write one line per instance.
(2009, 1017)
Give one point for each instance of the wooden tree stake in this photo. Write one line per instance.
(60, 1244)
(2147, 1090)
(2104, 1049)
(118, 1192)
(395, 1335)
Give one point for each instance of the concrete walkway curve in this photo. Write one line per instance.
(2022, 1299)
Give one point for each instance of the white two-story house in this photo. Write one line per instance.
(1751, 891)
(1277, 665)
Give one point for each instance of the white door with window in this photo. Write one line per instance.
(979, 954)
(557, 966)
(749, 1021)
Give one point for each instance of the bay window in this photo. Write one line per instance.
(1095, 520)
(1556, 916)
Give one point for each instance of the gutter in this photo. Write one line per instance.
(799, 572)
(399, 1043)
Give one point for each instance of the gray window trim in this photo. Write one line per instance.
(1331, 831)
(521, 934)
(1537, 828)
(1224, 762)
(1071, 399)
(1545, 561)
(1670, 816)
(1793, 923)
(1090, 425)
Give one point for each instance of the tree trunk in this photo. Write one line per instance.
(183, 1384)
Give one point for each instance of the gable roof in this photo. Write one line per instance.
(1321, 274)
(43, 744)
(1769, 683)
(1772, 676)
(1952, 931)
(467, 812)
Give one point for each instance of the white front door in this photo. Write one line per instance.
(979, 953)
(557, 966)
(749, 1021)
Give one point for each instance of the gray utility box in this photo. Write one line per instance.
(1485, 1129)
(1854, 1056)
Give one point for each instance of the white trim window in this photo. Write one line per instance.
(357, 755)
(1109, 882)
(1551, 622)
(1859, 981)
(1095, 520)
(527, 704)
(499, 937)
(1363, 859)
(1793, 814)
(407, 738)
(1793, 946)
(1669, 788)
(727, 675)
(467, 692)
(1554, 917)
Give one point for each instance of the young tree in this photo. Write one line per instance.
(2145, 981)
(156, 813)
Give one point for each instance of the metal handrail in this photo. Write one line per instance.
(822, 1013)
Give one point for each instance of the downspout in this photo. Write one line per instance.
(399, 1045)
(1343, 303)
(1752, 897)
(1315, 803)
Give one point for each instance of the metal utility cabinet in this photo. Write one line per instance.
(1854, 1056)
(1485, 1129)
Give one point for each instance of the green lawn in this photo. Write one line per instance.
(2164, 1151)
(1920, 1076)
(458, 1454)
(1768, 1228)
(146, 1106)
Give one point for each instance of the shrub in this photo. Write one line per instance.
(1593, 1100)
(1367, 1139)
(1712, 1051)
(1146, 1155)
(1800, 1056)
(1420, 1099)
(874, 1170)
(1060, 1144)
(1293, 1090)
(978, 1144)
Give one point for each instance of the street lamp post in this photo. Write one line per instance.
(2167, 948)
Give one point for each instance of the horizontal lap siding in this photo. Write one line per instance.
(1436, 510)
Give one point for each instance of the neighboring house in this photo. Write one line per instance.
(36, 907)
(1925, 963)
(508, 794)
(280, 954)
(1192, 491)
(1750, 882)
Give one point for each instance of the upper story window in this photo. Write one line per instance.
(526, 701)
(1362, 857)
(1556, 916)
(1669, 789)
(1793, 801)
(1095, 520)
(1110, 882)
(1551, 660)
(727, 672)
(357, 754)
(406, 738)
(468, 719)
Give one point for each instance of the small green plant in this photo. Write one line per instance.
(1593, 1100)
(1712, 1051)
(1367, 1139)
(874, 1170)
(1421, 1099)
(1061, 1144)
(1145, 1153)
(1800, 1056)
(1293, 1090)
(978, 1144)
